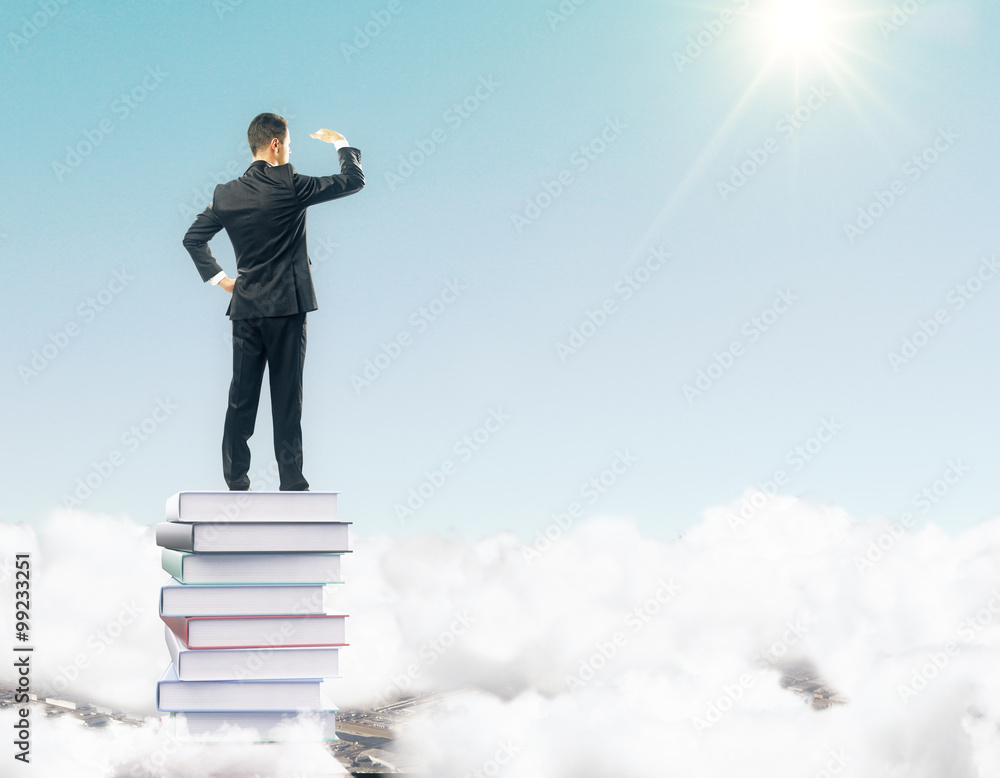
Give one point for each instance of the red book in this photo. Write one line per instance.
(258, 631)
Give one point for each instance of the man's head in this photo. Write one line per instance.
(268, 138)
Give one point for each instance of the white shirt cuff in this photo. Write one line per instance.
(339, 144)
(217, 277)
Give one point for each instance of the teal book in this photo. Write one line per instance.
(179, 599)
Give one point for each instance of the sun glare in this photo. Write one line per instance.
(799, 23)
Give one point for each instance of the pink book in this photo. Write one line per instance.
(258, 631)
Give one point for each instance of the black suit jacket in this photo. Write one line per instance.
(264, 213)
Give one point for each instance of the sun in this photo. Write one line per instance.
(799, 24)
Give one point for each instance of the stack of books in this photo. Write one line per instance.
(250, 613)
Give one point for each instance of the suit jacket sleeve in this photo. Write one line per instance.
(205, 225)
(319, 189)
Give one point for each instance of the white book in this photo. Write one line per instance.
(174, 695)
(254, 726)
(237, 664)
(253, 536)
(188, 567)
(252, 506)
(178, 599)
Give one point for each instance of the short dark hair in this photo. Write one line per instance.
(263, 128)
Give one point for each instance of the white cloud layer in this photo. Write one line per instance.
(605, 653)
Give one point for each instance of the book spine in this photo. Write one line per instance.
(179, 626)
(173, 646)
(173, 535)
(174, 507)
(173, 562)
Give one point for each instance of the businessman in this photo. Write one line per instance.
(264, 213)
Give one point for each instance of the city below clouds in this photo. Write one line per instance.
(600, 652)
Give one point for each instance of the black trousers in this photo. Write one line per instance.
(280, 343)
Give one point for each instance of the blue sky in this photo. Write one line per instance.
(526, 170)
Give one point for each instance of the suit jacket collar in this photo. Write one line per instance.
(259, 164)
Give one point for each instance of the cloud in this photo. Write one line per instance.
(61, 746)
(603, 653)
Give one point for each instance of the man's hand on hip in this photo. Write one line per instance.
(228, 284)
